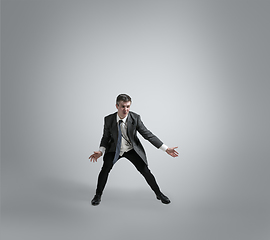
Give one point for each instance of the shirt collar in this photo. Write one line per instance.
(124, 119)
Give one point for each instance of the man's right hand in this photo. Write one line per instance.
(94, 157)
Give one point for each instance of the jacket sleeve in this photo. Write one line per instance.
(106, 135)
(148, 135)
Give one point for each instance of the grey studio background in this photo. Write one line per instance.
(198, 74)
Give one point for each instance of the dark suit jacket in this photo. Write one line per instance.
(134, 125)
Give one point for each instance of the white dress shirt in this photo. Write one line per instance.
(125, 143)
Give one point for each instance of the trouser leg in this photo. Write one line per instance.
(104, 173)
(141, 166)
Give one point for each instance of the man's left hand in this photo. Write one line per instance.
(172, 152)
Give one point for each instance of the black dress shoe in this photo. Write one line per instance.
(163, 198)
(96, 200)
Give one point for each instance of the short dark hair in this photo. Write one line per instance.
(123, 97)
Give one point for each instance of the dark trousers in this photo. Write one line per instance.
(134, 158)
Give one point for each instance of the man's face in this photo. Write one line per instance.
(123, 109)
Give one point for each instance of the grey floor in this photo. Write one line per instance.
(59, 209)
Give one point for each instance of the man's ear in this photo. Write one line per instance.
(116, 106)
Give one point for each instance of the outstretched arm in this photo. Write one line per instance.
(154, 140)
(172, 152)
(148, 135)
(104, 141)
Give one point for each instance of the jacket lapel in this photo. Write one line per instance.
(130, 126)
(114, 128)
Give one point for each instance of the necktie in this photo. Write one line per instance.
(118, 146)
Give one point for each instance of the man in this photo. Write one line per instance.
(120, 140)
